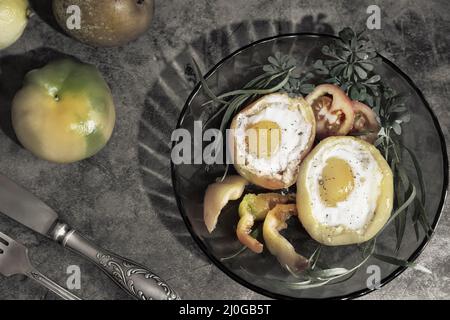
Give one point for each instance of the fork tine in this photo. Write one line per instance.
(3, 247)
(5, 238)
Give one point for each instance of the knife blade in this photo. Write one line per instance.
(22, 206)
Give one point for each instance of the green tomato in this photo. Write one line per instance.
(13, 21)
(64, 112)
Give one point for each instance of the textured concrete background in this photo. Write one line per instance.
(111, 198)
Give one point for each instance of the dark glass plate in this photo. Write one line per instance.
(262, 273)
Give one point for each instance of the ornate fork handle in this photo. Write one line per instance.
(132, 277)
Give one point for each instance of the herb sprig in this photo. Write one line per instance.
(296, 84)
(392, 113)
(350, 62)
(277, 76)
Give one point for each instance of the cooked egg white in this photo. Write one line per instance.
(344, 184)
(272, 136)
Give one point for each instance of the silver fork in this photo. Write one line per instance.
(14, 260)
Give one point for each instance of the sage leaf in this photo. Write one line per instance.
(397, 128)
(274, 61)
(337, 69)
(374, 79)
(361, 72)
(347, 34)
(354, 93)
(366, 65)
(306, 88)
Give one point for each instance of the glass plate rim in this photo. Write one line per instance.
(394, 274)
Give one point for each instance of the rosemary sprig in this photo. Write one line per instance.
(295, 84)
(392, 114)
(317, 277)
(205, 84)
(234, 255)
(277, 76)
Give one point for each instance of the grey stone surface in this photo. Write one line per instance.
(109, 197)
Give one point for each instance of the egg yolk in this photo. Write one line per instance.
(336, 182)
(263, 138)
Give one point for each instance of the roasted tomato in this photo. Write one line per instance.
(333, 111)
(365, 125)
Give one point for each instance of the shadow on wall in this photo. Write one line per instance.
(12, 72)
(166, 98)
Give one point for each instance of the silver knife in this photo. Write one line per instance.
(22, 206)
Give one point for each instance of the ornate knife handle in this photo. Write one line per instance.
(132, 277)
